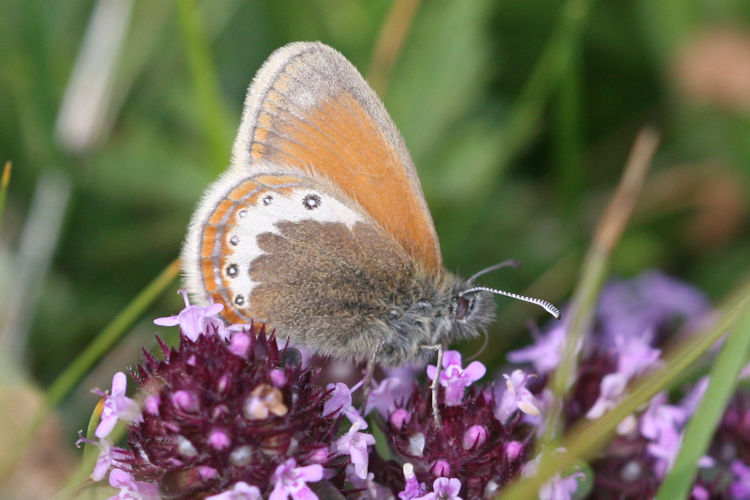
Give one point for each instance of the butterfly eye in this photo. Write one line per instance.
(461, 307)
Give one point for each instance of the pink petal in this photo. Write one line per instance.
(475, 370)
(311, 473)
(451, 358)
(213, 309)
(119, 384)
(167, 321)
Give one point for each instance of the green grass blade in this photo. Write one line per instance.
(547, 73)
(216, 124)
(702, 425)
(588, 437)
(596, 263)
(65, 382)
(568, 132)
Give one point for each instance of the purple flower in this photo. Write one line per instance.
(340, 401)
(634, 355)
(740, 487)
(661, 424)
(373, 489)
(130, 489)
(700, 493)
(441, 468)
(117, 406)
(109, 456)
(413, 487)
(240, 491)
(471, 444)
(516, 397)
(454, 378)
(443, 488)
(513, 449)
(239, 344)
(474, 437)
(610, 392)
(639, 307)
(354, 444)
(399, 417)
(291, 481)
(545, 354)
(104, 461)
(221, 419)
(560, 488)
(388, 394)
(196, 320)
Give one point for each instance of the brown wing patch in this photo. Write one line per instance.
(326, 285)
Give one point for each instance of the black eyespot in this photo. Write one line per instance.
(239, 300)
(267, 199)
(311, 201)
(472, 303)
(461, 307)
(234, 240)
(232, 270)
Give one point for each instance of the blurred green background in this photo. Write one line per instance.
(519, 116)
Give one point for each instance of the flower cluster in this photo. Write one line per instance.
(228, 414)
(481, 443)
(633, 321)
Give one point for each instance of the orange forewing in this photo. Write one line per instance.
(337, 139)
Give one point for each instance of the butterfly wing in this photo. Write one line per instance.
(310, 110)
(286, 250)
(320, 226)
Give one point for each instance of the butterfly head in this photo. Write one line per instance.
(469, 310)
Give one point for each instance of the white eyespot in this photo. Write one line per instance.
(239, 300)
(234, 240)
(242, 214)
(267, 199)
(311, 201)
(232, 270)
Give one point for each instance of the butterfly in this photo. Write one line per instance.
(319, 227)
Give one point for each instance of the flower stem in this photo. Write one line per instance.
(213, 113)
(595, 267)
(389, 43)
(4, 181)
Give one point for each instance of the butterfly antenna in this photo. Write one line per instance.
(554, 311)
(494, 267)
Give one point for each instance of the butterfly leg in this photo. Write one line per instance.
(369, 374)
(435, 386)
